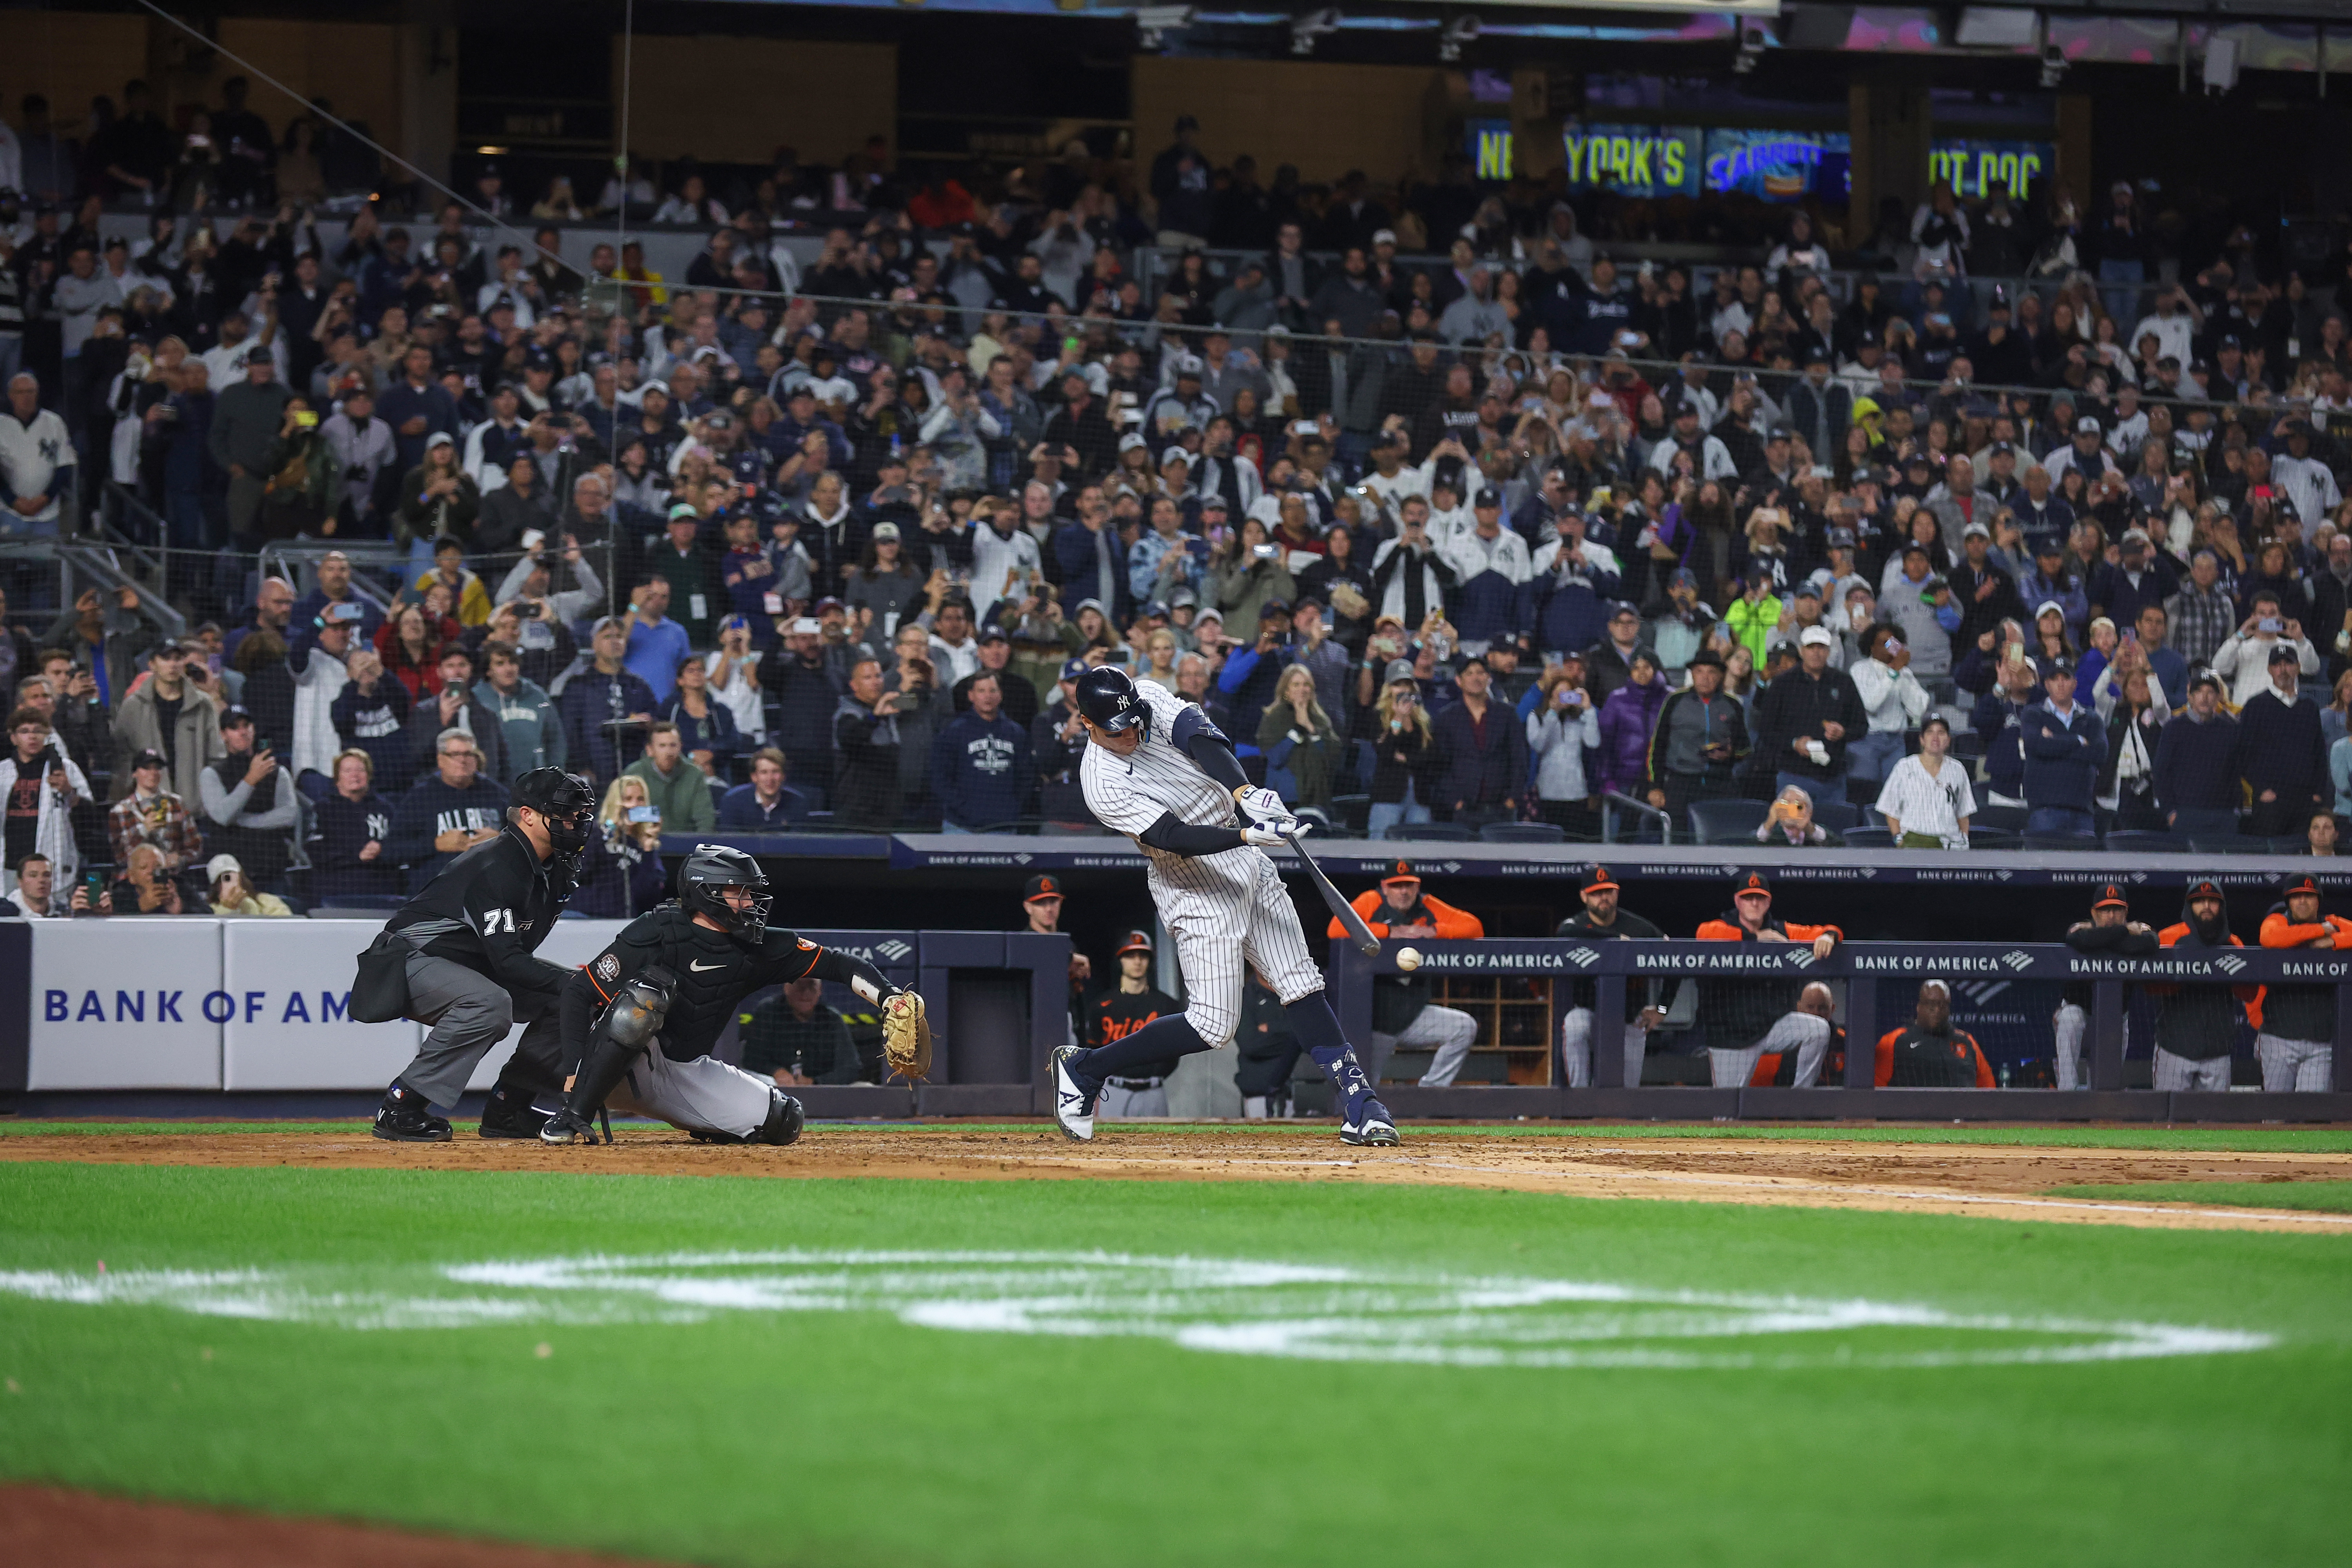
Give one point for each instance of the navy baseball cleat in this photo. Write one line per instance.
(1371, 1128)
(1074, 1105)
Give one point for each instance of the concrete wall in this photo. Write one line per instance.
(1327, 119)
(353, 65)
(738, 100)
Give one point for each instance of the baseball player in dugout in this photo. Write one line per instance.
(1159, 771)
(1747, 1018)
(1930, 1051)
(1041, 906)
(1119, 1011)
(473, 971)
(1403, 1016)
(2294, 1034)
(641, 1015)
(2196, 1024)
(1602, 919)
(2110, 932)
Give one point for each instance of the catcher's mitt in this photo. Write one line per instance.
(906, 1035)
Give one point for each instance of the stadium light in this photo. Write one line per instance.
(1310, 26)
(1154, 23)
(1458, 32)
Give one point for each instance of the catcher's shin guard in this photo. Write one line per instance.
(626, 1031)
(784, 1120)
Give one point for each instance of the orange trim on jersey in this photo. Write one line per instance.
(1883, 1072)
(1452, 925)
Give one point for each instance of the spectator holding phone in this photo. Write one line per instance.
(1562, 726)
(150, 814)
(2244, 659)
(35, 897)
(621, 875)
(38, 788)
(248, 799)
(1404, 749)
(231, 894)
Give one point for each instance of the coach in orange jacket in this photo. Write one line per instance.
(1928, 1052)
(1403, 1014)
(1746, 1019)
(2293, 1035)
(2195, 1024)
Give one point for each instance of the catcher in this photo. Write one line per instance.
(641, 1017)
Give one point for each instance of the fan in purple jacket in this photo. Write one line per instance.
(1626, 720)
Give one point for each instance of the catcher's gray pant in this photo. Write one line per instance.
(1447, 1030)
(1799, 1032)
(2306, 1064)
(704, 1093)
(1576, 1048)
(1118, 1104)
(2182, 1073)
(470, 1012)
(1220, 934)
(2066, 1027)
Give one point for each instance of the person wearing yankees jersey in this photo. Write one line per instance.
(1158, 770)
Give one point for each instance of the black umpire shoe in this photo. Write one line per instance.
(409, 1120)
(504, 1118)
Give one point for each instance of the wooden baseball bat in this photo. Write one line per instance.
(1358, 932)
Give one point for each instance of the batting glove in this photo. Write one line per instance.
(1263, 806)
(1271, 835)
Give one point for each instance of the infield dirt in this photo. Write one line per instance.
(1990, 1181)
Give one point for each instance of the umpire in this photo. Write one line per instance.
(467, 947)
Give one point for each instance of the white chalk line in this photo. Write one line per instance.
(1232, 1306)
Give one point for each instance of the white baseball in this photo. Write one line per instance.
(1408, 959)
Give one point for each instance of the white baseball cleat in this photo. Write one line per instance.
(1073, 1106)
(1374, 1130)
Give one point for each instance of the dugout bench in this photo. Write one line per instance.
(1614, 965)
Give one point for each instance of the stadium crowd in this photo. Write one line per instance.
(1490, 536)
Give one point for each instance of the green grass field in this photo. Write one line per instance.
(823, 1372)
(2326, 1197)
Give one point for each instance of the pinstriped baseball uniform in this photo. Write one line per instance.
(1225, 909)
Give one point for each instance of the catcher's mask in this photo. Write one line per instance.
(564, 804)
(713, 868)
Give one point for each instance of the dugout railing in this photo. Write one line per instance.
(1852, 972)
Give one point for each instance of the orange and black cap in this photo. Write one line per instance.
(1753, 882)
(1401, 871)
(2206, 888)
(1041, 887)
(1135, 942)
(1599, 878)
(2111, 895)
(2300, 882)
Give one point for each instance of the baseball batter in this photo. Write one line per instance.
(641, 1015)
(1158, 770)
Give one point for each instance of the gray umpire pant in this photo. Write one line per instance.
(468, 1014)
(1799, 1032)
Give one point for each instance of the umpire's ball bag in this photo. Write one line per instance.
(380, 994)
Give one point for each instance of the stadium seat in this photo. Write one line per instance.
(2008, 818)
(1522, 833)
(1870, 839)
(1837, 815)
(1992, 837)
(1428, 832)
(2061, 843)
(1862, 792)
(2147, 841)
(2290, 847)
(2227, 844)
(1968, 747)
(1727, 821)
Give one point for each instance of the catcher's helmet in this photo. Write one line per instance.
(564, 802)
(1109, 700)
(713, 867)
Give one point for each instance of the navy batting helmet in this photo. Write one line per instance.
(1109, 700)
